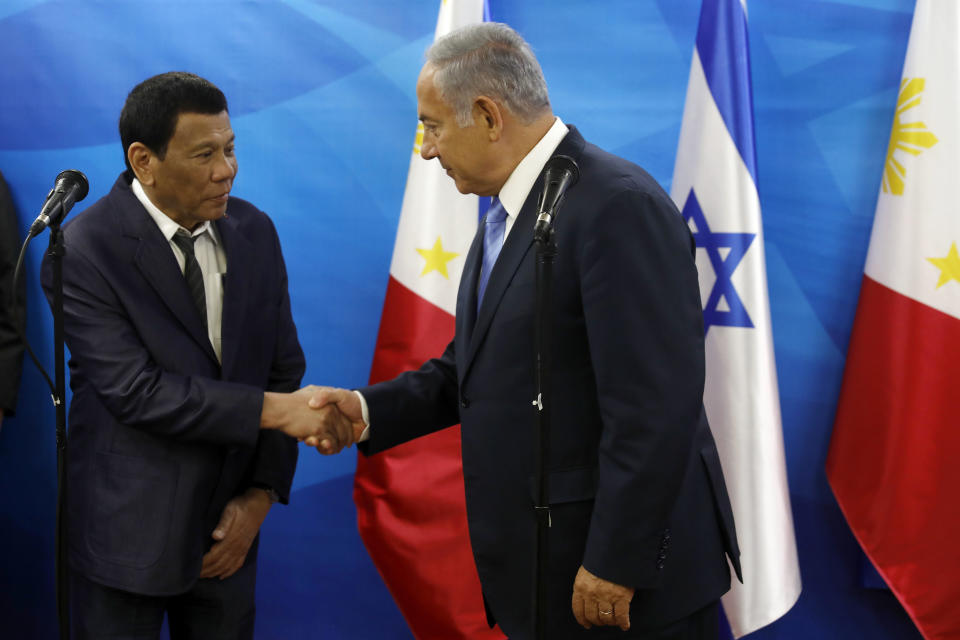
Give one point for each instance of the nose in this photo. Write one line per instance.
(428, 150)
(225, 168)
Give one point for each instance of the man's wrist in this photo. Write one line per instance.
(270, 412)
(270, 492)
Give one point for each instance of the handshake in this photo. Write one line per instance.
(322, 417)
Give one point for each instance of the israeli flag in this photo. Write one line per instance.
(714, 185)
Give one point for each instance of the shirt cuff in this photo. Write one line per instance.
(366, 417)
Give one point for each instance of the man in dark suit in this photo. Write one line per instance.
(183, 357)
(641, 523)
(11, 317)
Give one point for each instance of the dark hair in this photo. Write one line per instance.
(150, 113)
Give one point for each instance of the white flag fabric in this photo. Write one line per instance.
(714, 185)
(436, 220)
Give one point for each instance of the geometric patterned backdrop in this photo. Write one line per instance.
(322, 100)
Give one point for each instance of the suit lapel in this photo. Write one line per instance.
(240, 265)
(155, 260)
(514, 249)
(466, 312)
(512, 255)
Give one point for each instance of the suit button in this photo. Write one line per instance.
(465, 402)
(660, 566)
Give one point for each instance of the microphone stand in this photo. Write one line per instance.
(71, 187)
(56, 251)
(546, 253)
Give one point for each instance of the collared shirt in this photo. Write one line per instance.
(515, 190)
(210, 256)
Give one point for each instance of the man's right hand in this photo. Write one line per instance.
(326, 427)
(344, 402)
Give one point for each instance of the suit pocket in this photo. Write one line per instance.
(130, 509)
(569, 485)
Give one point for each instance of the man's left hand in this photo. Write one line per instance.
(234, 534)
(599, 602)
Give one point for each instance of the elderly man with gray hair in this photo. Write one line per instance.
(641, 525)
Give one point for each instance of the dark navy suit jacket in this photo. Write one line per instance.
(636, 489)
(161, 435)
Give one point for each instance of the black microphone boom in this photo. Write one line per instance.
(71, 187)
(559, 174)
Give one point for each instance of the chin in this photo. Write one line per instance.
(217, 213)
(463, 188)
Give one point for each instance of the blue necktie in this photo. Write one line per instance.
(493, 233)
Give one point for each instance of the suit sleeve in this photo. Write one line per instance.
(642, 309)
(11, 349)
(137, 392)
(276, 457)
(413, 404)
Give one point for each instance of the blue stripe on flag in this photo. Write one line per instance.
(724, 52)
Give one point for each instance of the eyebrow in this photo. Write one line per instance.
(204, 144)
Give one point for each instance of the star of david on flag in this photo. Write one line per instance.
(723, 306)
(714, 183)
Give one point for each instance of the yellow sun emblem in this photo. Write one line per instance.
(418, 141)
(911, 137)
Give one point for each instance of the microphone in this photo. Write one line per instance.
(559, 174)
(71, 187)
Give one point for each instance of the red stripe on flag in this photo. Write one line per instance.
(894, 460)
(410, 499)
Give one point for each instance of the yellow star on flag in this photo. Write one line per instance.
(949, 266)
(437, 259)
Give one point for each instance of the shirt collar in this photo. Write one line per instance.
(167, 226)
(517, 187)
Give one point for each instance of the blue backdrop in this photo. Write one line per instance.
(322, 101)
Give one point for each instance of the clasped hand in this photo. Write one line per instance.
(322, 417)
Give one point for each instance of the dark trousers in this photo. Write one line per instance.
(213, 609)
(702, 624)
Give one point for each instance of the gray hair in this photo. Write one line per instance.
(488, 59)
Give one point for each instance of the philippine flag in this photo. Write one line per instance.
(714, 185)
(893, 461)
(410, 502)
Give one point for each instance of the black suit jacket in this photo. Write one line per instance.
(161, 435)
(636, 489)
(11, 316)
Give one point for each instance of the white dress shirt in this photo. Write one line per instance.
(515, 190)
(210, 256)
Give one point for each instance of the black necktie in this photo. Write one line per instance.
(192, 273)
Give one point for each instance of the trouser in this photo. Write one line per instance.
(213, 609)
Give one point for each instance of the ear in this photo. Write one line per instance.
(488, 114)
(141, 160)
